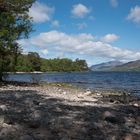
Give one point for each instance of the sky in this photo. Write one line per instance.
(94, 30)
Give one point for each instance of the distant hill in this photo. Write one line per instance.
(106, 66)
(130, 66)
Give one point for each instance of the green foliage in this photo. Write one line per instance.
(23, 64)
(63, 65)
(15, 24)
(33, 62)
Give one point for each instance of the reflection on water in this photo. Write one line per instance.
(129, 81)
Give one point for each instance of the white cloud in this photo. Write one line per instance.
(55, 23)
(41, 12)
(134, 15)
(82, 25)
(110, 38)
(60, 55)
(44, 51)
(79, 44)
(91, 18)
(80, 11)
(114, 3)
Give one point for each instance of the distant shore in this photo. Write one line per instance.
(22, 72)
(40, 72)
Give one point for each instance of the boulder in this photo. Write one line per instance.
(112, 118)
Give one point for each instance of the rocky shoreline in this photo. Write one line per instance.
(60, 112)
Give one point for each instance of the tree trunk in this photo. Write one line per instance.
(1, 77)
(1, 67)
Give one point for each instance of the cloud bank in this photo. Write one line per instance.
(83, 44)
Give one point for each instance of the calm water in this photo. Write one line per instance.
(129, 81)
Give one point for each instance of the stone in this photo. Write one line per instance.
(59, 90)
(67, 124)
(107, 114)
(64, 137)
(59, 85)
(125, 98)
(6, 131)
(58, 109)
(2, 119)
(9, 120)
(42, 104)
(26, 137)
(18, 127)
(98, 94)
(113, 138)
(64, 93)
(129, 124)
(36, 115)
(128, 137)
(34, 124)
(111, 101)
(35, 119)
(87, 93)
(94, 100)
(3, 107)
(138, 119)
(29, 102)
(110, 117)
(36, 102)
(80, 96)
(136, 105)
(18, 96)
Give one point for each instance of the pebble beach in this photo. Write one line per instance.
(60, 112)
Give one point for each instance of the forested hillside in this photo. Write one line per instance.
(33, 62)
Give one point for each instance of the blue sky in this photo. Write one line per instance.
(95, 30)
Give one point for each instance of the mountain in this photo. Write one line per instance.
(106, 66)
(130, 66)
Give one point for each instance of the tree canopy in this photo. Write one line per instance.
(33, 62)
(15, 23)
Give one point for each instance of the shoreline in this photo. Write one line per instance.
(40, 72)
(55, 111)
(102, 91)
